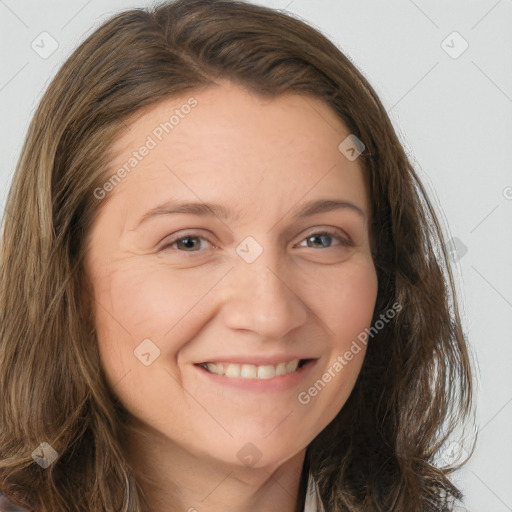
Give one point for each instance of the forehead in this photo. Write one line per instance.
(226, 141)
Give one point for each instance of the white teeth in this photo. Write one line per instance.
(247, 371)
(251, 371)
(281, 369)
(266, 372)
(233, 370)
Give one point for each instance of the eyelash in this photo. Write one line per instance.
(333, 233)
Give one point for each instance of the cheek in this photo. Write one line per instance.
(356, 302)
(347, 310)
(347, 301)
(136, 302)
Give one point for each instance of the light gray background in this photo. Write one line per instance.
(453, 116)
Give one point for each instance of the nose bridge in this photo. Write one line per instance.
(261, 297)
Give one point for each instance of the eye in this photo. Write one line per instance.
(326, 235)
(187, 242)
(190, 242)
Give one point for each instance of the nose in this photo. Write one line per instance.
(263, 297)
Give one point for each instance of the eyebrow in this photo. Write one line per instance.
(217, 210)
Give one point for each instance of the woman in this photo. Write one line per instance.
(254, 370)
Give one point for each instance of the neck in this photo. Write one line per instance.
(175, 479)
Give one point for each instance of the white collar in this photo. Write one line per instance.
(312, 502)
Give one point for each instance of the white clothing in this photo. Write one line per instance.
(312, 496)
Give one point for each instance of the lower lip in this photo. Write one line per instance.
(279, 383)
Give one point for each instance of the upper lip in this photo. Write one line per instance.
(256, 360)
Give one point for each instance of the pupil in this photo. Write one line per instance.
(186, 238)
(321, 236)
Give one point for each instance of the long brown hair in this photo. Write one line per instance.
(415, 386)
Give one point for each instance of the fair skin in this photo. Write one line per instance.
(198, 299)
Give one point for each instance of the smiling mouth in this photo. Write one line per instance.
(251, 371)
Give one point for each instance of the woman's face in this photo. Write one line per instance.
(252, 281)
